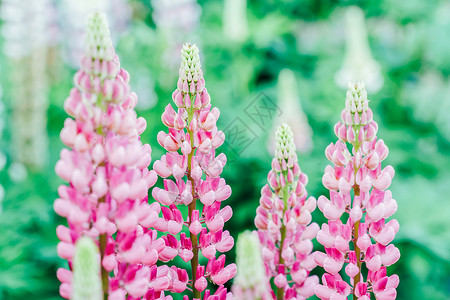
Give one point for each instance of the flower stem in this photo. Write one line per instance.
(280, 291)
(357, 250)
(191, 207)
(104, 272)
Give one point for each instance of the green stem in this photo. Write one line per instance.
(280, 291)
(356, 191)
(191, 207)
(103, 237)
(104, 272)
(357, 250)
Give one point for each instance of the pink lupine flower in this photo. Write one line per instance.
(366, 235)
(191, 160)
(106, 166)
(282, 219)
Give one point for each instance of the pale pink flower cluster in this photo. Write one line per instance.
(358, 190)
(106, 166)
(282, 219)
(191, 160)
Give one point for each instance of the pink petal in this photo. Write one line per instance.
(332, 266)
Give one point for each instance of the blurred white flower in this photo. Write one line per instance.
(2, 155)
(87, 283)
(436, 41)
(176, 20)
(358, 62)
(17, 172)
(235, 20)
(176, 14)
(251, 281)
(292, 113)
(25, 25)
(26, 28)
(144, 86)
(431, 85)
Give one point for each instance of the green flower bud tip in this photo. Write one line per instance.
(190, 63)
(98, 38)
(284, 143)
(356, 100)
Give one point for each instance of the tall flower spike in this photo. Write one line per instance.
(87, 284)
(191, 159)
(251, 281)
(107, 168)
(282, 220)
(366, 235)
(358, 62)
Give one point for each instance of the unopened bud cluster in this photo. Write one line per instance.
(357, 118)
(284, 146)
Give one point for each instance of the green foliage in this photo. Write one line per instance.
(408, 39)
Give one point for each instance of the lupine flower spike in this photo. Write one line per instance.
(282, 219)
(191, 160)
(106, 166)
(251, 281)
(358, 194)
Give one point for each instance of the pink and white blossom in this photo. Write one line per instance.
(284, 223)
(358, 194)
(191, 171)
(106, 167)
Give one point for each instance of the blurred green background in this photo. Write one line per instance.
(400, 48)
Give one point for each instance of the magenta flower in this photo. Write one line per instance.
(106, 166)
(366, 235)
(191, 161)
(282, 219)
